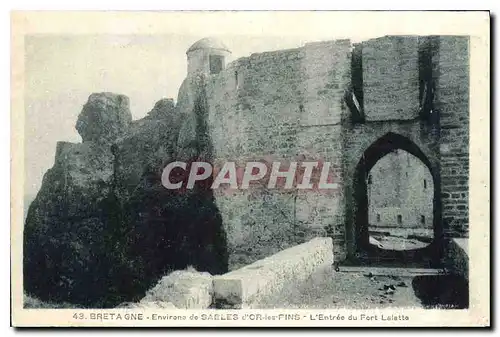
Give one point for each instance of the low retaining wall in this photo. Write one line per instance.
(457, 257)
(245, 287)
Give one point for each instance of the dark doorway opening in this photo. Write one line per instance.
(216, 63)
(364, 250)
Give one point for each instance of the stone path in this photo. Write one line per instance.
(356, 288)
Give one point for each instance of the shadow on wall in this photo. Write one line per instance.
(180, 228)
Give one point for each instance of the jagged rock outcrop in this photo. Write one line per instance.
(104, 118)
(66, 227)
(102, 229)
(185, 226)
(164, 108)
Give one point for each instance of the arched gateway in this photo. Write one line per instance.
(358, 236)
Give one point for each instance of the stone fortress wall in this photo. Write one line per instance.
(400, 192)
(340, 103)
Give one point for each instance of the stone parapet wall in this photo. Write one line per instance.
(245, 287)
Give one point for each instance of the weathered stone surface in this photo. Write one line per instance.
(451, 70)
(284, 106)
(148, 145)
(65, 248)
(170, 229)
(194, 142)
(185, 289)
(103, 229)
(104, 118)
(164, 108)
(245, 287)
(291, 103)
(390, 78)
(457, 257)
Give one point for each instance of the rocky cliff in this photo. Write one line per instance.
(103, 229)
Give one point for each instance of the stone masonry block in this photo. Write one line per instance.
(245, 287)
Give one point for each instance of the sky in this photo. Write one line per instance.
(61, 71)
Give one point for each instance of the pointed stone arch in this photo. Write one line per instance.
(357, 237)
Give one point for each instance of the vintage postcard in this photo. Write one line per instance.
(251, 169)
